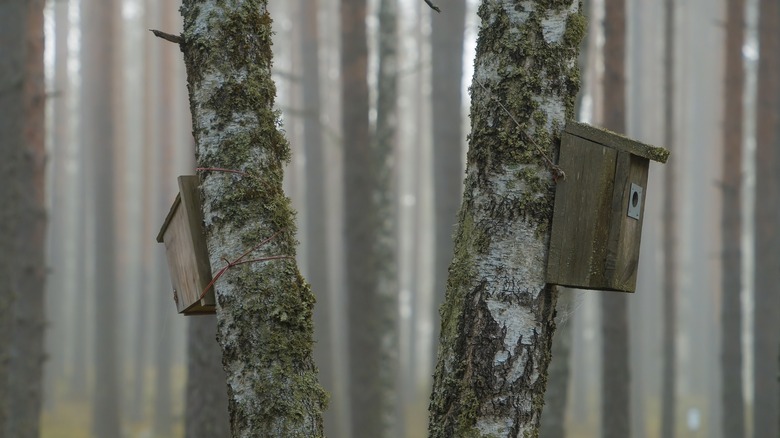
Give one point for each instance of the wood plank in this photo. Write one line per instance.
(188, 188)
(616, 141)
(581, 215)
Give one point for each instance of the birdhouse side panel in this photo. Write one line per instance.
(182, 265)
(582, 214)
(190, 198)
(622, 261)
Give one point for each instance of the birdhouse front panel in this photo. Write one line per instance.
(185, 250)
(597, 220)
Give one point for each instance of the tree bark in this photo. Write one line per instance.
(668, 385)
(733, 418)
(557, 394)
(447, 35)
(385, 207)
(360, 229)
(98, 99)
(22, 269)
(616, 380)
(264, 309)
(497, 319)
(316, 201)
(766, 332)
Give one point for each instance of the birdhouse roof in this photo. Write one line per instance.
(616, 141)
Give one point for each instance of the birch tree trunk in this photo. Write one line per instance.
(264, 309)
(497, 319)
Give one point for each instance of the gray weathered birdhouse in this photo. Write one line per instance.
(185, 249)
(599, 208)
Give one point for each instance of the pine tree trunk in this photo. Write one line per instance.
(385, 202)
(766, 405)
(22, 270)
(497, 319)
(733, 417)
(264, 308)
(206, 411)
(616, 381)
(99, 101)
(360, 229)
(447, 35)
(316, 201)
(668, 385)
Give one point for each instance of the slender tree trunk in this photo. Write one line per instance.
(360, 229)
(206, 412)
(766, 405)
(316, 202)
(615, 380)
(668, 405)
(733, 417)
(98, 99)
(385, 202)
(497, 319)
(264, 309)
(22, 270)
(447, 35)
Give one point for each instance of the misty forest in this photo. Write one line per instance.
(390, 218)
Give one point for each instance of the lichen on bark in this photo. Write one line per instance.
(264, 309)
(497, 320)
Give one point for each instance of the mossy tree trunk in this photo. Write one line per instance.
(497, 319)
(264, 309)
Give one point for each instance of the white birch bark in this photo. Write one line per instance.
(497, 319)
(264, 309)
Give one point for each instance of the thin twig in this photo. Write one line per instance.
(557, 172)
(434, 7)
(177, 39)
(239, 261)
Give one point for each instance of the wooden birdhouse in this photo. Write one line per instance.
(185, 249)
(599, 209)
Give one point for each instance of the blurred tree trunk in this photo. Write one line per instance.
(99, 21)
(497, 319)
(22, 271)
(447, 35)
(766, 406)
(60, 236)
(385, 203)
(264, 309)
(316, 208)
(206, 411)
(616, 380)
(164, 192)
(668, 404)
(360, 229)
(733, 411)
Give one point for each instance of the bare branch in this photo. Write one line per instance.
(167, 36)
(433, 6)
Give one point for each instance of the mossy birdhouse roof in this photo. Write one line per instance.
(616, 141)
